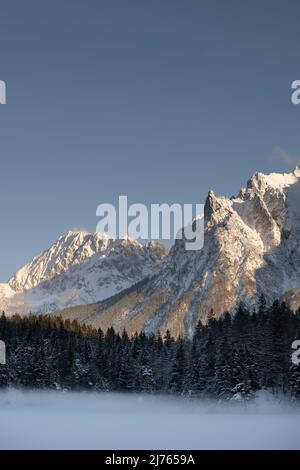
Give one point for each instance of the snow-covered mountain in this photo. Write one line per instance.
(79, 268)
(251, 247)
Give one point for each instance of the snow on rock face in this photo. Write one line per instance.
(79, 268)
(292, 299)
(69, 250)
(251, 247)
(252, 243)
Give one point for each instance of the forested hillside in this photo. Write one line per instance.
(231, 357)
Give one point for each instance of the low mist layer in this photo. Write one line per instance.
(57, 420)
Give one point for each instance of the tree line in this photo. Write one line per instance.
(232, 357)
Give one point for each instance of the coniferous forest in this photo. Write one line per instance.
(231, 357)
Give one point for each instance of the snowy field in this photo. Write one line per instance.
(57, 420)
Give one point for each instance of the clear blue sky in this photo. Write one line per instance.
(157, 99)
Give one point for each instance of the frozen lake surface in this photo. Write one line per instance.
(57, 420)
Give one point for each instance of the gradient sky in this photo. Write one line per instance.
(157, 99)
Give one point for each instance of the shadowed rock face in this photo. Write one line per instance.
(79, 268)
(251, 246)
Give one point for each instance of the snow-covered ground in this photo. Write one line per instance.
(57, 420)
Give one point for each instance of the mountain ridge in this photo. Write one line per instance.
(250, 247)
(80, 267)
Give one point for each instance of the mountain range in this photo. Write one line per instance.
(251, 247)
(79, 268)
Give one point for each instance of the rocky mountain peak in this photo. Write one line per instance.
(251, 247)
